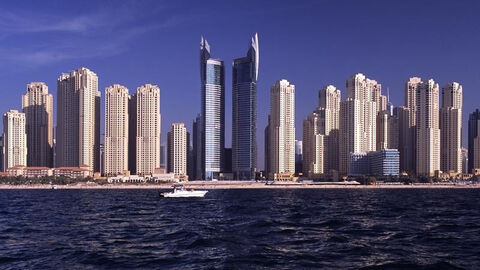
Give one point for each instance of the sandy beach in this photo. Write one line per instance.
(239, 185)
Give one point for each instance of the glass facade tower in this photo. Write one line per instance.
(212, 74)
(244, 113)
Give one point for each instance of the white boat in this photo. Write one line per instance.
(181, 192)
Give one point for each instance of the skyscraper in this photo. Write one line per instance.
(212, 75)
(407, 120)
(358, 118)
(313, 144)
(474, 141)
(329, 99)
(14, 139)
(177, 149)
(132, 133)
(78, 132)
(116, 130)
(451, 128)
(37, 105)
(197, 147)
(244, 113)
(427, 128)
(148, 129)
(281, 128)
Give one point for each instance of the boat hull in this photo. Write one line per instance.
(184, 194)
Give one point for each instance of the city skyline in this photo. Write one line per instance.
(342, 62)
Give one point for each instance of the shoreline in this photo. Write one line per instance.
(244, 185)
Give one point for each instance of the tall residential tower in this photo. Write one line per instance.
(148, 129)
(37, 105)
(116, 130)
(281, 133)
(14, 139)
(78, 116)
(451, 128)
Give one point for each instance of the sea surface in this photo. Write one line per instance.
(241, 229)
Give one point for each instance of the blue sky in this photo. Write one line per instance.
(310, 43)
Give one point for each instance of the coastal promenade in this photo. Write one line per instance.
(242, 185)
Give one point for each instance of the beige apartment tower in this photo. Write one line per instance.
(281, 139)
(407, 116)
(78, 120)
(37, 105)
(177, 149)
(329, 100)
(313, 144)
(451, 128)
(148, 129)
(14, 139)
(358, 118)
(116, 130)
(427, 128)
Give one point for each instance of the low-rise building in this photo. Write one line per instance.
(385, 162)
(29, 171)
(83, 171)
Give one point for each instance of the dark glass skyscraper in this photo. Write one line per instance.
(244, 113)
(212, 74)
(473, 141)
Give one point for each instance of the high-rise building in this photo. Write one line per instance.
(465, 160)
(148, 129)
(313, 143)
(78, 127)
(358, 119)
(1, 153)
(116, 130)
(474, 141)
(427, 128)
(329, 99)
(244, 113)
(212, 74)
(197, 148)
(37, 105)
(451, 128)
(14, 139)
(387, 130)
(132, 133)
(281, 128)
(298, 156)
(177, 149)
(407, 119)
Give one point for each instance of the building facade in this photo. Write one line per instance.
(474, 141)
(427, 128)
(313, 143)
(37, 105)
(359, 117)
(148, 129)
(212, 74)
(177, 149)
(451, 128)
(244, 113)
(329, 99)
(116, 150)
(281, 132)
(78, 120)
(14, 139)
